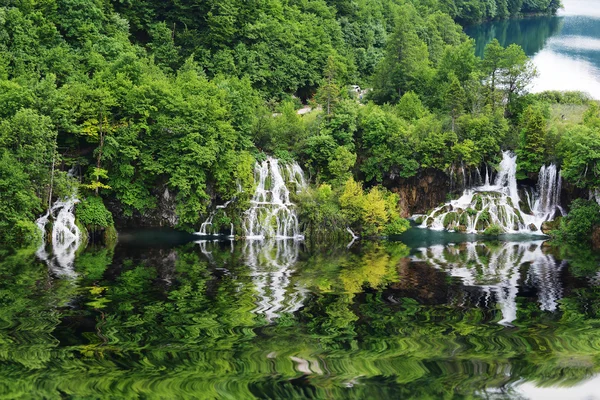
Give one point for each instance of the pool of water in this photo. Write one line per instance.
(430, 315)
(565, 49)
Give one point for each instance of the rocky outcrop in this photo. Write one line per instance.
(163, 215)
(422, 192)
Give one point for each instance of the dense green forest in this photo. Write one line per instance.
(135, 102)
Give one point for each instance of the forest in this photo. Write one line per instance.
(133, 102)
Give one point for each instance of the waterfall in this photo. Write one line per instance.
(499, 204)
(66, 237)
(549, 187)
(206, 229)
(271, 213)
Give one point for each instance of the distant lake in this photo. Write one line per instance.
(565, 49)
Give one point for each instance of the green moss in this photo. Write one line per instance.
(450, 218)
(464, 219)
(110, 236)
(524, 206)
(85, 235)
(92, 213)
(494, 230)
(478, 203)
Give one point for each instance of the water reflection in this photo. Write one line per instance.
(272, 264)
(495, 268)
(565, 49)
(279, 319)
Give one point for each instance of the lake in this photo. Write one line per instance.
(565, 49)
(428, 315)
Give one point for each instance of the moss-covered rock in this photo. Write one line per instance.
(549, 226)
(478, 203)
(450, 219)
(494, 230)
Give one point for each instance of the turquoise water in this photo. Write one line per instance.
(565, 49)
(431, 315)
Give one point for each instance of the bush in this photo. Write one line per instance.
(558, 97)
(578, 225)
(92, 213)
(396, 226)
(494, 230)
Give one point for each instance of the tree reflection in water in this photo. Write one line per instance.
(282, 320)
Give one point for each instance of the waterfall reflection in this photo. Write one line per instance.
(282, 273)
(271, 264)
(495, 268)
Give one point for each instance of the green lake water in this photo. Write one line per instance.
(430, 315)
(565, 49)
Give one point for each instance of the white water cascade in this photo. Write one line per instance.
(207, 229)
(65, 239)
(496, 271)
(549, 187)
(271, 213)
(499, 204)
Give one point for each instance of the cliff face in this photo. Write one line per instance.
(163, 215)
(422, 192)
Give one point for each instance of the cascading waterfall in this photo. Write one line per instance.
(66, 237)
(271, 213)
(549, 187)
(207, 229)
(499, 204)
(496, 271)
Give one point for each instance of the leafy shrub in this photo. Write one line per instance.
(578, 225)
(569, 97)
(494, 230)
(92, 213)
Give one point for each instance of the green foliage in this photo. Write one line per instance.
(578, 225)
(579, 148)
(168, 106)
(410, 107)
(18, 203)
(493, 230)
(327, 212)
(531, 153)
(557, 97)
(92, 213)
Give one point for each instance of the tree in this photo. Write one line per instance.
(579, 148)
(518, 72)
(531, 150)
(329, 92)
(406, 65)
(454, 99)
(492, 65)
